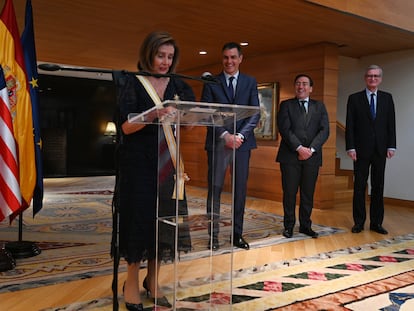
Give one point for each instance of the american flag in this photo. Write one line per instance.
(10, 198)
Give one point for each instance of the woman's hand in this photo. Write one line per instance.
(167, 113)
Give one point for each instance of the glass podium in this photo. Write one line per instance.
(194, 277)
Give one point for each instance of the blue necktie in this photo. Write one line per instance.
(230, 87)
(372, 106)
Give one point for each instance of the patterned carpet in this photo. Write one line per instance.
(378, 276)
(73, 231)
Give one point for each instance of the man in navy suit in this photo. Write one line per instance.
(304, 127)
(234, 88)
(370, 140)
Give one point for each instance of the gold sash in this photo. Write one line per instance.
(169, 137)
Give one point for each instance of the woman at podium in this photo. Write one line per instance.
(140, 177)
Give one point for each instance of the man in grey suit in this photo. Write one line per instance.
(304, 127)
(235, 88)
(370, 140)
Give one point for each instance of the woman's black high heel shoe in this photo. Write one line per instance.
(161, 301)
(146, 287)
(132, 306)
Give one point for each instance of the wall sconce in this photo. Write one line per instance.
(110, 130)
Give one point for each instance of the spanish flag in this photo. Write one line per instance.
(12, 61)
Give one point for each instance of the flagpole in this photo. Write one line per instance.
(20, 248)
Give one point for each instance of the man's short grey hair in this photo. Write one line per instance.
(371, 67)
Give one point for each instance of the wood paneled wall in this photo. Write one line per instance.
(321, 63)
(395, 13)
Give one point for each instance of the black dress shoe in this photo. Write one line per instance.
(288, 233)
(309, 232)
(240, 243)
(379, 229)
(213, 245)
(357, 229)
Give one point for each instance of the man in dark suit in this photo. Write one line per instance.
(304, 127)
(370, 140)
(234, 88)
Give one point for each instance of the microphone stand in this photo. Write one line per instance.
(117, 78)
(54, 67)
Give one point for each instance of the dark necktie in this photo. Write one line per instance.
(302, 104)
(372, 106)
(230, 87)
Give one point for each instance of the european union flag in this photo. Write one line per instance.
(29, 51)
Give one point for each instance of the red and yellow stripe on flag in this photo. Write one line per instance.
(12, 61)
(10, 199)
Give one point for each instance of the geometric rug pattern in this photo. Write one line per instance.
(378, 276)
(283, 286)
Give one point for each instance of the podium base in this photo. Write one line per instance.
(22, 249)
(7, 262)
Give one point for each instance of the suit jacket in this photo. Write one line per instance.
(245, 94)
(295, 129)
(366, 135)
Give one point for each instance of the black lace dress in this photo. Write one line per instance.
(137, 177)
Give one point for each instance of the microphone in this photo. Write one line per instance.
(49, 67)
(55, 67)
(208, 77)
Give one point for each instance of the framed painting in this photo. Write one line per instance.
(268, 99)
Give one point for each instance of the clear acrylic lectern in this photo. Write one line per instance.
(197, 277)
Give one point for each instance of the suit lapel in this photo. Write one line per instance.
(239, 86)
(380, 104)
(308, 115)
(224, 87)
(366, 104)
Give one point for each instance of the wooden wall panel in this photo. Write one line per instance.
(396, 13)
(331, 142)
(328, 161)
(197, 174)
(193, 152)
(265, 183)
(325, 192)
(263, 157)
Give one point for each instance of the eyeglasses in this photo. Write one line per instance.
(372, 76)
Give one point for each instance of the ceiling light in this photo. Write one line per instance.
(202, 52)
(244, 43)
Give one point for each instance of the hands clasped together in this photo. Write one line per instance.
(233, 140)
(304, 153)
